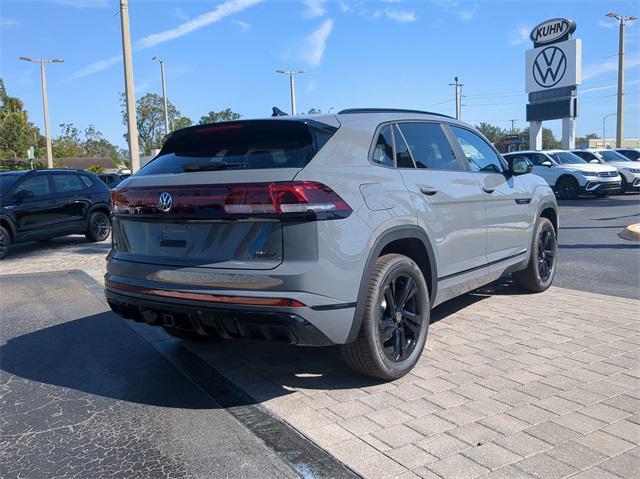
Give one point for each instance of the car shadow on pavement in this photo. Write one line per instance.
(77, 244)
(100, 355)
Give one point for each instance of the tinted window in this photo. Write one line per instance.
(383, 152)
(631, 154)
(254, 144)
(403, 157)
(7, 181)
(38, 185)
(88, 182)
(429, 146)
(610, 155)
(478, 153)
(537, 158)
(566, 158)
(67, 183)
(585, 155)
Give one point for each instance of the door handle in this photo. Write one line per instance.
(428, 191)
(486, 189)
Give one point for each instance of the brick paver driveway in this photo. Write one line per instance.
(510, 385)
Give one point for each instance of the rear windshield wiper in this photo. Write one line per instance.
(212, 166)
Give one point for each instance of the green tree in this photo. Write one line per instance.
(494, 134)
(223, 115)
(97, 169)
(314, 111)
(549, 141)
(68, 143)
(90, 144)
(150, 120)
(17, 133)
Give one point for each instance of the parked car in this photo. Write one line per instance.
(569, 175)
(631, 153)
(629, 170)
(44, 204)
(111, 179)
(337, 229)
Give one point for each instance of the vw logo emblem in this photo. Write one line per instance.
(165, 202)
(549, 67)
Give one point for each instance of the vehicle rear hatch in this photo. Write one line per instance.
(207, 200)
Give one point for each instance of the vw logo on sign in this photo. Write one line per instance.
(549, 67)
(165, 202)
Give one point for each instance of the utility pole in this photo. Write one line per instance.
(513, 125)
(45, 101)
(292, 86)
(604, 138)
(620, 119)
(458, 97)
(132, 127)
(164, 96)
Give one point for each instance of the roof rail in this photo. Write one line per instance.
(350, 111)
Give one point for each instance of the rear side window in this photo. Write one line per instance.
(86, 181)
(403, 157)
(481, 157)
(429, 146)
(537, 158)
(257, 144)
(67, 183)
(383, 152)
(38, 185)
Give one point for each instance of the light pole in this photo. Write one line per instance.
(164, 95)
(292, 86)
(604, 138)
(45, 101)
(620, 123)
(130, 94)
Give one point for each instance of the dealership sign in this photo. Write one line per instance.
(554, 30)
(554, 66)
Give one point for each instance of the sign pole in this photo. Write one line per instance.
(535, 135)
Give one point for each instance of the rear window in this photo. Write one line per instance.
(256, 144)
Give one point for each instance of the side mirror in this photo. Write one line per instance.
(594, 161)
(547, 163)
(23, 195)
(520, 166)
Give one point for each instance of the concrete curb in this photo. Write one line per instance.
(631, 233)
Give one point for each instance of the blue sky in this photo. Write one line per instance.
(391, 53)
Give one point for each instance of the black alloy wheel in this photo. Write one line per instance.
(400, 318)
(5, 242)
(546, 254)
(567, 188)
(99, 226)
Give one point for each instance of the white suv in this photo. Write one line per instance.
(337, 229)
(629, 170)
(569, 175)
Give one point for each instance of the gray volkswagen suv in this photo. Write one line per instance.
(339, 229)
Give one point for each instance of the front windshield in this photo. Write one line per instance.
(566, 158)
(610, 155)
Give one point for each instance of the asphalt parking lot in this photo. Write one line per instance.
(510, 385)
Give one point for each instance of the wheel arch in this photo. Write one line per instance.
(566, 176)
(9, 226)
(103, 207)
(408, 240)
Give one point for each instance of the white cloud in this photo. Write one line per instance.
(96, 67)
(519, 35)
(312, 85)
(315, 44)
(608, 23)
(465, 13)
(142, 88)
(220, 12)
(598, 69)
(401, 16)
(315, 8)
(244, 26)
(83, 3)
(608, 87)
(180, 14)
(9, 22)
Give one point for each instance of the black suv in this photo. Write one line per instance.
(43, 204)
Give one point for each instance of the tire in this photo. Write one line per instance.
(189, 335)
(624, 186)
(536, 278)
(5, 242)
(406, 327)
(98, 227)
(567, 188)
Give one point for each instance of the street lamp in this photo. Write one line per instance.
(292, 86)
(45, 101)
(620, 123)
(164, 95)
(604, 138)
